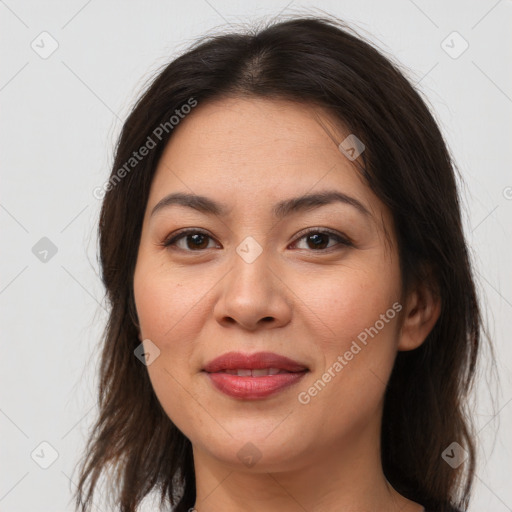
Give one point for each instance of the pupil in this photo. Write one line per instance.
(317, 239)
(197, 239)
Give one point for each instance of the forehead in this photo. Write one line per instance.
(257, 148)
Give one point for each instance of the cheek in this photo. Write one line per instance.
(354, 316)
(169, 312)
(344, 302)
(167, 303)
(357, 350)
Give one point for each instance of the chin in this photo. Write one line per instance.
(251, 449)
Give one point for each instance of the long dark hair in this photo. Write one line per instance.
(320, 61)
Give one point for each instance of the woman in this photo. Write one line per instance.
(294, 323)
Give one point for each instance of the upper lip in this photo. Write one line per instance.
(258, 360)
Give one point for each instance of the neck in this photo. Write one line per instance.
(344, 477)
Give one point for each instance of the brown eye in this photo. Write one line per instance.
(318, 240)
(191, 240)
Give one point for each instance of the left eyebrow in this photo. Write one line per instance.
(282, 209)
(311, 201)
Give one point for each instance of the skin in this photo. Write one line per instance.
(299, 301)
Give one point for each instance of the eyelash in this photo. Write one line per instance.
(342, 240)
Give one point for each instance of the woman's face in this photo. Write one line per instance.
(252, 280)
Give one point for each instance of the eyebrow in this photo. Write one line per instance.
(280, 210)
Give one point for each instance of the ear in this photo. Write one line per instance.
(421, 312)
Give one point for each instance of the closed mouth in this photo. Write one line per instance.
(256, 372)
(259, 364)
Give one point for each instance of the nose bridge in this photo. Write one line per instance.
(251, 279)
(252, 291)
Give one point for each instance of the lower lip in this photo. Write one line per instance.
(252, 388)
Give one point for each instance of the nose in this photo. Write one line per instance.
(253, 295)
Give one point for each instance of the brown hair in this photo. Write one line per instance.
(406, 163)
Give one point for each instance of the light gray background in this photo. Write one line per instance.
(59, 121)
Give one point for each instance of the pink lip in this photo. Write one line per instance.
(237, 360)
(251, 388)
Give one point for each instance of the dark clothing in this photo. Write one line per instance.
(448, 509)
